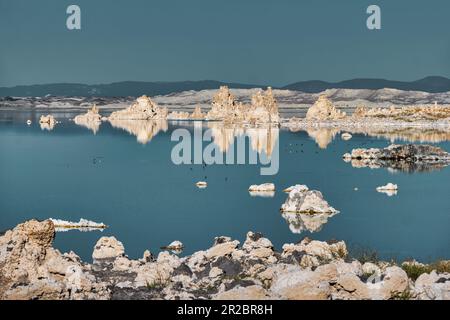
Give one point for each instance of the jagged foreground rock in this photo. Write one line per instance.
(31, 269)
(408, 158)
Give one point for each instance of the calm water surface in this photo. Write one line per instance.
(147, 201)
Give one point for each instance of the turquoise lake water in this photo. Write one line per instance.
(147, 201)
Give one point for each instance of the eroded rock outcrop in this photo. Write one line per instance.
(263, 108)
(303, 200)
(31, 269)
(91, 119)
(143, 109)
(407, 157)
(323, 109)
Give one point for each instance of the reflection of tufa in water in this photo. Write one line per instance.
(407, 158)
(175, 247)
(91, 119)
(265, 190)
(47, 122)
(390, 189)
(262, 139)
(299, 222)
(82, 225)
(144, 130)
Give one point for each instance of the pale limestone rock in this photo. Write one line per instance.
(143, 109)
(91, 119)
(432, 286)
(307, 201)
(297, 284)
(323, 109)
(299, 187)
(221, 249)
(254, 292)
(172, 261)
(197, 260)
(215, 272)
(265, 187)
(346, 136)
(108, 248)
(350, 287)
(256, 241)
(316, 252)
(395, 281)
(263, 108)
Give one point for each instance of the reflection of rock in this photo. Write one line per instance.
(178, 115)
(143, 109)
(322, 136)
(197, 114)
(261, 139)
(299, 222)
(408, 158)
(265, 190)
(201, 184)
(390, 189)
(323, 109)
(82, 225)
(263, 108)
(262, 194)
(346, 136)
(144, 130)
(175, 246)
(301, 200)
(91, 119)
(47, 122)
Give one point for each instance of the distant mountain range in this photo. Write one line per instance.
(135, 88)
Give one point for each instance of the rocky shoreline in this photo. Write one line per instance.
(32, 269)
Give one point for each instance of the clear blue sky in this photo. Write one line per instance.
(248, 41)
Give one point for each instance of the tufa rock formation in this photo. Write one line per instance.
(303, 200)
(323, 109)
(91, 119)
(31, 269)
(408, 158)
(143, 109)
(263, 108)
